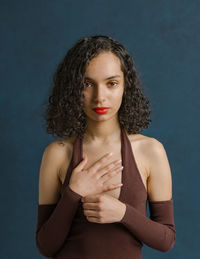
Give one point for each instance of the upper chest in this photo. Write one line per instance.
(96, 151)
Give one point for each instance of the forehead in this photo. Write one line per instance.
(105, 64)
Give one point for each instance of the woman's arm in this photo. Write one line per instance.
(55, 213)
(158, 231)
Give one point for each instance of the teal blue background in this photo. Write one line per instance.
(163, 37)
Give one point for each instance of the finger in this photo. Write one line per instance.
(112, 166)
(90, 213)
(117, 185)
(90, 198)
(109, 174)
(82, 164)
(112, 187)
(90, 206)
(93, 219)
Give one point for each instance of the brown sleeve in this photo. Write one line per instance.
(158, 231)
(54, 222)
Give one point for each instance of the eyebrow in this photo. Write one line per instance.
(110, 77)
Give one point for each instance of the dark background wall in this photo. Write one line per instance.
(163, 38)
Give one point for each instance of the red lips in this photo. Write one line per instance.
(101, 110)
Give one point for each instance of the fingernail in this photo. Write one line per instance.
(119, 161)
(110, 154)
(120, 184)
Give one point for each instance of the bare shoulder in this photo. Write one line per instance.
(153, 149)
(60, 151)
(57, 150)
(144, 141)
(148, 150)
(152, 158)
(148, 145)
(54, 156)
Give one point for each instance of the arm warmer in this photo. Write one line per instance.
(54, 222)
(158, 231)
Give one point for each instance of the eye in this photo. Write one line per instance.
(87, 83)
(113, 83)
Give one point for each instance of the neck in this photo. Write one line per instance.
(104, 132)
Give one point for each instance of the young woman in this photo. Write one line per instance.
(92, 204)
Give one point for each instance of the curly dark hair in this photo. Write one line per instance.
(64, 118)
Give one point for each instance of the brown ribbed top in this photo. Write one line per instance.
(64, 232)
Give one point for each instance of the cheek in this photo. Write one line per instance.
(117, 97)
(85, 98)
(87, 95)
(119, 100)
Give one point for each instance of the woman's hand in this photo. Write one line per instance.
(94, 179)
(103, 208)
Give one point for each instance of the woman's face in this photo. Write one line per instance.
(103, 86)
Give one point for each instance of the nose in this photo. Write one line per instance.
(99, 93)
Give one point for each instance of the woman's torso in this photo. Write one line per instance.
(95, 152)
(105, 241)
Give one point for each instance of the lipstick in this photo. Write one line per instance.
(101, 110)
